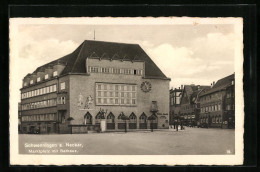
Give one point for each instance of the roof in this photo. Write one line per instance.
(75, 61)
(221, 84)
(193, 90)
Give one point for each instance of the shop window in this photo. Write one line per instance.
(220, 119)
(216, 119)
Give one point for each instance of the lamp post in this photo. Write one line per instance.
(125, 118)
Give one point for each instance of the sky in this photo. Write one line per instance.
(188, 54)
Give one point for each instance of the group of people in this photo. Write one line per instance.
(180, 125)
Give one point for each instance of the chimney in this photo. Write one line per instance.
(213, 83)
(181, 86)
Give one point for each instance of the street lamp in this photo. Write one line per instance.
(125, 118)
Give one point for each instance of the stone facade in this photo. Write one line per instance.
(64, 96)
(217, 105)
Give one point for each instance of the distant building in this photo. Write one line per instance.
(100, 81)
(175, 103)
(218, 104)
(190, 104)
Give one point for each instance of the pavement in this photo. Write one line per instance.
(191, 141)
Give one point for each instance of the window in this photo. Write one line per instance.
(46, 76)
(25, 84)
(54, 88)
(38, 79)
(61, 100)
(219, 107)
(112, 94)
(31, 82)
(216, 119)
(220, 119)
(55, 73)
(62, 86)
(47, 89)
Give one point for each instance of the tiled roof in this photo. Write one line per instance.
(75, 62)
(194, 90)
(221, 84)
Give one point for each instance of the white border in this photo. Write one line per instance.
(18, 159)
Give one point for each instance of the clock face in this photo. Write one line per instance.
(146, 86)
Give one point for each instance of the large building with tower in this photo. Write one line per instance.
(100, 81)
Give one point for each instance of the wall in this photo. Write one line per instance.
(85, 85)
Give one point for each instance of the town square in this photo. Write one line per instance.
(190, 141)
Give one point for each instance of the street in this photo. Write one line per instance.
(191, 141)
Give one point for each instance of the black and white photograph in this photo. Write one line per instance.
(164, 90)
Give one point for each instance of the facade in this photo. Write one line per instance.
(218, 104)
(19, 117)
(100, 82)
(175, 103)
(190, 104)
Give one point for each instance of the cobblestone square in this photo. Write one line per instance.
(191, 141)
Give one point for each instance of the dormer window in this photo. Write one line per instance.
(31, 82)
(46, 76)
(25, 84)
(55, 73)
(38, 79)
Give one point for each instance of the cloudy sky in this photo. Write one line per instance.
(188, 54)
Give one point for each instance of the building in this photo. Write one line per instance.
(19, 117)
(100, 81)
(190, 104)
(218, 104)
(175, 103)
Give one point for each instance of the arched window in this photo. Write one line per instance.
(132, 117)
(88, 118)
(110, 118)
(153, 118)
(121, 117)
(143, 118)
(99, 116)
